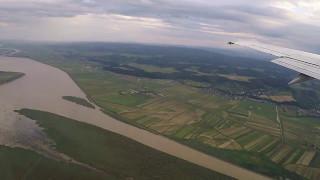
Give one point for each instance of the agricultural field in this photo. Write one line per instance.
(236, 77)
(280, 97)
(150, 68)
(196, 106)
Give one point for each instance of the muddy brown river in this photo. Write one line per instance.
(42, 88)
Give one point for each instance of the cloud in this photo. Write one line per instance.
(194, 22)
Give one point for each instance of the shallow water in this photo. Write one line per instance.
(42, 88)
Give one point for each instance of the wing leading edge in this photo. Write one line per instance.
(307, 64)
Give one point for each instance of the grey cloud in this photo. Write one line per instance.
(153, 8)
(186, 17)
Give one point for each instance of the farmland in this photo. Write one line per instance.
(219, 115)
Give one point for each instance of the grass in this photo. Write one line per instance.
(6, 77)
(17, 163)
(262, 109)
(262, 144)
(79, 101)
(316, 161)
(181, 133)
(248, 138)
(127, 100)
(113, 153)
(196, 84)
(295, 156)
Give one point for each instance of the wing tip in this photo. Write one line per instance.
(300, 78)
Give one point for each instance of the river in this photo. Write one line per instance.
(42, 88)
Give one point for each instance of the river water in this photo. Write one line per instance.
(42, 88)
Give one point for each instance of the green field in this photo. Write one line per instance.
(6, 77)
(150, 68)
(115, 155)
(16, 163)
(79, 101)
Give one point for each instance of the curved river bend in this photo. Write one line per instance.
(42, 88)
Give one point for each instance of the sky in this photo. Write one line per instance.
(294, 23)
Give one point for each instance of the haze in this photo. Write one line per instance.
(185, 22)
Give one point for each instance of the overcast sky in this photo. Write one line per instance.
(294, 23)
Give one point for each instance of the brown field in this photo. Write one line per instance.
(233, 130)
(270, 130)
(236, 77)
(253, 143)
(306, 158)
(282, 98)
(241, 132)
(279, 98)
(273, 142)
(231, 144)
(281, 154)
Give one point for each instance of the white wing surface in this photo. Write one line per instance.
(307, 64)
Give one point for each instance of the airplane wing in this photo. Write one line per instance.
(307, 64)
